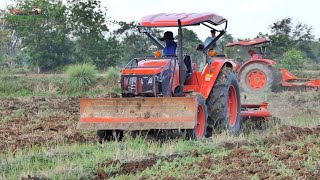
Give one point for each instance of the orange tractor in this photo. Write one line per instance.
(168, 93)
(33, 11)
(259, 74)
(18, 10)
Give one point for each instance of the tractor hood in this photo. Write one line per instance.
(148, 66)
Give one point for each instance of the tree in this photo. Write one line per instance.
(190, 42)
(293, 60)
(44, 37)
(3, 44)
(287, 34)
(9, 43)
(224, 40)
(134, 44)
(89, 24)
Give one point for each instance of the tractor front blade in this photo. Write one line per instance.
(138, 113)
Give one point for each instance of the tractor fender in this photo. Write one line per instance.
(266, 62)
(209, 78)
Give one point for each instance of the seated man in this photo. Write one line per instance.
(171, 46)
(254, 55)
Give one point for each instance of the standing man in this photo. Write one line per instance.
(213, 35)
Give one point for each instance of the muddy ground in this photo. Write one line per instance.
(39, 120)
(43, 120)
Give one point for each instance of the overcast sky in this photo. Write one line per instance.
(246, 18)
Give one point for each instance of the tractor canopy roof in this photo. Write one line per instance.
(187, 19)
(251, 42)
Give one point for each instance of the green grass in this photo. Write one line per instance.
(4, 120)
(112, 74)
(112, 78)
(66, 161)
(13, 86)
(76, 161)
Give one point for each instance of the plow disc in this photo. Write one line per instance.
(138, 113)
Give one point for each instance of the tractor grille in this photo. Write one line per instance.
(147, 86)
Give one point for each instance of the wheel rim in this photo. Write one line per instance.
(256, 79)
(232, 105)
(200, 122)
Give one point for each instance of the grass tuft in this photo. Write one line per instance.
(80, 77)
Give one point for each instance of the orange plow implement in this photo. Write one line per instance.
(290, 80)
(148, 113)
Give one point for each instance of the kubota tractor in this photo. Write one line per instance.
(259, 73)
(168, 93)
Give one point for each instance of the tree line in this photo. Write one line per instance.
(79, 32)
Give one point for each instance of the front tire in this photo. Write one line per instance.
(200, 129)
(223, 103)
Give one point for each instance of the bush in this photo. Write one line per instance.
(293, 60)
(80, 77)
(112, 78)
(112, 74)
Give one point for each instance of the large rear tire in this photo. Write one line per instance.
(224, 103)
(257, 78)
(200, 129)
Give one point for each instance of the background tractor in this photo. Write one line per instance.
(259, 74)
(18, 9)
(169, 93)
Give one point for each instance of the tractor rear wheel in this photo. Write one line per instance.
(200, 129)
(224, 103)
(257, 78)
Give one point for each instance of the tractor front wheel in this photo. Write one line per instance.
(200, 129)
(224, 103)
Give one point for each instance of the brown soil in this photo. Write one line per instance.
(39, 120)
(132, 167)
(240, 162)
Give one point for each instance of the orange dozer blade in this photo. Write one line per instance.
(138, 113)
(255, 110)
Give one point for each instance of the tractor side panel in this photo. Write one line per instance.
(209, 78)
